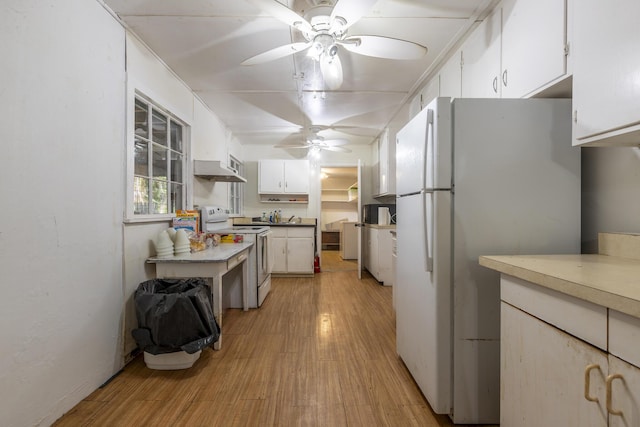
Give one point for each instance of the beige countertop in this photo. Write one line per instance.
(610, 279)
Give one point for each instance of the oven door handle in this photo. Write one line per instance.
(265, 252)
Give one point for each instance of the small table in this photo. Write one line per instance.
(214, 262)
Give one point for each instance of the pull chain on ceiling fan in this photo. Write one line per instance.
(324, 29)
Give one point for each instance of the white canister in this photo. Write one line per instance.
(383, 216)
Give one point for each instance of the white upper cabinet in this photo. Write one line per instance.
(451, 76)
(386, 165)
(283, 177)
(606, 72)
(534, 40)
(481, 59)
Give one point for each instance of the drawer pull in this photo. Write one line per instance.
(610, 379)
(587, 382)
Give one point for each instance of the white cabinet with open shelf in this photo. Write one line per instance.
(283, 177)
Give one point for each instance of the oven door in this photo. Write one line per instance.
(264, 255)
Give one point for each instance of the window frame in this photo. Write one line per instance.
(152, 106)
(236, 189)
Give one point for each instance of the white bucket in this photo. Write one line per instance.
(171, 361)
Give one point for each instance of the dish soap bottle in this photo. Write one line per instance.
(264, 217)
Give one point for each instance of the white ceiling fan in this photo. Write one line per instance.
(316, 143)
(324, 29)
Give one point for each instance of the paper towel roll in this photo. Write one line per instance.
(383, 216)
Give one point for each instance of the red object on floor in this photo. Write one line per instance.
(316, 264)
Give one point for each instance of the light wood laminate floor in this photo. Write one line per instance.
(319, 352)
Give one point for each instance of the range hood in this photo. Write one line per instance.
(214, 171)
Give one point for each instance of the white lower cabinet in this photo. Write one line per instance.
(543, 371)
(556, 367)
(293, 249)
(377, 256)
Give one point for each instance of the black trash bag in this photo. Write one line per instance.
(174, 315)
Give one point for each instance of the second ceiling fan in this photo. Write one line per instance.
(315, 142)
(324, 29)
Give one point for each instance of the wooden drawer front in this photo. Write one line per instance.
(279, 231)
(300, 231)
(624, 337)
(579, 318)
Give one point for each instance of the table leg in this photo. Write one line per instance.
(245, 285)
(217, 306)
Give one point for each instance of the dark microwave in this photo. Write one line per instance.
(370, 212)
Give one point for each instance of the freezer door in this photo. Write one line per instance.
(423, 150)
(423, 291)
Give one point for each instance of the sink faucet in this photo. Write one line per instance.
(291, 219)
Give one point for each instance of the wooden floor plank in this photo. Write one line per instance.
(319, 352)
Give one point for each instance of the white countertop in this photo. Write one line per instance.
(390, 226)
(221, 253)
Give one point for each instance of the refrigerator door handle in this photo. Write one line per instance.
(428, 167)
(426, 226)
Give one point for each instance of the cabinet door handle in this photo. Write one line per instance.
(610, 379)
(587, 382)
(279, 184)
(504, 78)
(495, 84)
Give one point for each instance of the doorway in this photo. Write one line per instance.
(338, 216)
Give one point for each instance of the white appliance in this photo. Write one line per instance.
(260, 258)
(260, 262)
(475, 177)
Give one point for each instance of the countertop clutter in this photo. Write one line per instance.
(610, 278)
(221, 253)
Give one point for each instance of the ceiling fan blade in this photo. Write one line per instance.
(350, 130)
(384, 47)
(276, 53)
(351, 10)
(283, 13)
(293, 145)
(335, 148)
(335, 142)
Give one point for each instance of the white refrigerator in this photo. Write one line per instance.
(475, 177)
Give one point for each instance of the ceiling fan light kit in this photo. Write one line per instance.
(325, 28)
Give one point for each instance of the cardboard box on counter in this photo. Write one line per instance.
(188, 220)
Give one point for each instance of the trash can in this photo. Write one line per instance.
(175, 321)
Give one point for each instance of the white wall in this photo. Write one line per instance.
(62, 191)
(69, 262)
(210, 140)
(610, 193)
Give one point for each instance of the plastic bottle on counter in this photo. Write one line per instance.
(264, 217)
(279, 215)
(271, 216)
